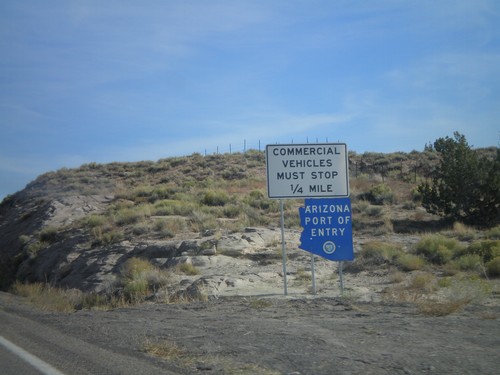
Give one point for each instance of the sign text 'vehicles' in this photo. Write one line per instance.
(296, 171)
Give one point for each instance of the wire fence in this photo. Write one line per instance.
(258, 145)
(407, 166)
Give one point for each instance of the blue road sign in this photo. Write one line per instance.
(327, 227)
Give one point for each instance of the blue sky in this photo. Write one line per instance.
(102, 81)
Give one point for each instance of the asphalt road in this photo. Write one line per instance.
(65, 353)
(12, 364)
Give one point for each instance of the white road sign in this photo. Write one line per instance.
(307, 170)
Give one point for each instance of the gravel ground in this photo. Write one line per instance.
(287, 335)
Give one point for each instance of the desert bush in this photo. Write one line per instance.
(139, 279)
(162, 192)
(166, 350)
(188, 269)
(440, 308)
(34, 247)
(381, 194)
(493, 233)
(469, 289)
(47, 297)
(378, 253)
(215, 198)
(133, 215)
(396, 277)
(169, 227)
(437, 249)
(486, 250)
(106, 235)
(258, 199)
(24, 239)
(445, 282)
(361, 206)
(140, 229)
(493, 267)
(416, 195)
(410, 262)
(440, 297)
(425, 282)
(169, 207)
(254, 217)
(232, 211)
(200, 221)
(260, 303)
(95, 220)
(48, 234)
(469, 262)
(375, 211)
(463, 232)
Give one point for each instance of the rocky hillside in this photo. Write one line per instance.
(197, 215)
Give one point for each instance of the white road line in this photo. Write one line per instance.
(34, 361)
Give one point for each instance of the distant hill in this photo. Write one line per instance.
(69, 227)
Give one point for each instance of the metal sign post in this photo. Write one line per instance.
(327, 225)
(283, 247)
(313, 171)
(341, 276)
(313, 276)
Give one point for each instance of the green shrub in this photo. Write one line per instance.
(215, 198)
(34, 247)
(96, 220)
(493, 233)
(200, 221)
(48, 234)
(493, 267)
(189, 269)
(128, 216)
(437, 249)
(136, 290)
(169, 227)
(169, 207)
(106, 235)
(469, 262)
(425, 282)
(464, 186)
(232, 211)
(377, 252)
(381, 194)
(257, 199)
(140, 229)
(134, 267)
(487, 250)
(24, 239)
(410, 262)
(463, 232)
(140, 279)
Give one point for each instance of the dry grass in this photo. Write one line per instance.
(260, 303)
(439, 297)
(433, 308)
(190, 361)
(49, 298)
(188, 269)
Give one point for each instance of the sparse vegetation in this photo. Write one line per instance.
(140, 279)
(172, 198)
(188, 269)
(438, 249)
(174, 353)
(50, 298)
